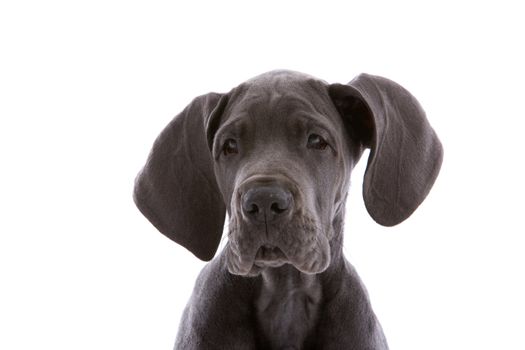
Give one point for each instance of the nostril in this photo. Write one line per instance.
(253, 209)
(278, 209)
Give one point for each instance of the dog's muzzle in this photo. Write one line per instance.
(270, 227)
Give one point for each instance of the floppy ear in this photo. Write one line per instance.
(176, 190)
(405, 155)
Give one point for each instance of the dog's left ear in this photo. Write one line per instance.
(176, 190)
(405, 152)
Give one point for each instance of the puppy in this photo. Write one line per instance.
(276, 154)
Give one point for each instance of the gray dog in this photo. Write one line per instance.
(276, 153)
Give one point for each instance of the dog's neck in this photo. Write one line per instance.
(289, 301)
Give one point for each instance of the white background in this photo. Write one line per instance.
(85, 87)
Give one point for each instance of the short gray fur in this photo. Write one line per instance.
(282, 281)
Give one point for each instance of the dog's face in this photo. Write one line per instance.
(276, 152)
(282, 161)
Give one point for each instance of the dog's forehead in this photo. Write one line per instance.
(280, 93)
(280, 79)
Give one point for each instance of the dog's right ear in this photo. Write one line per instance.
(176, 190)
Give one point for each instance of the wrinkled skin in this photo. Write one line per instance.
(272, 133)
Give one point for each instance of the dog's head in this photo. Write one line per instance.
(276, 152)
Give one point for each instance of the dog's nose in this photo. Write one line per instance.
(266, 203)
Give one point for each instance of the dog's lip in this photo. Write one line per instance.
(270, 256)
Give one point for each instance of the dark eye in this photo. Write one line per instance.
(230, 147)
(316, 142)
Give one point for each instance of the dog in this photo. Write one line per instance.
(276, 154)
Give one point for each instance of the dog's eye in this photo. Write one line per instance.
(230, 147)
(316, 142)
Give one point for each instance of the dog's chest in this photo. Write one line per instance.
(287, 311)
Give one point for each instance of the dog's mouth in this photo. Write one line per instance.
(270, 256)
(310, 258)
(301, 242)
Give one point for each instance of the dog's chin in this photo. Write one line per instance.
(270, 257)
